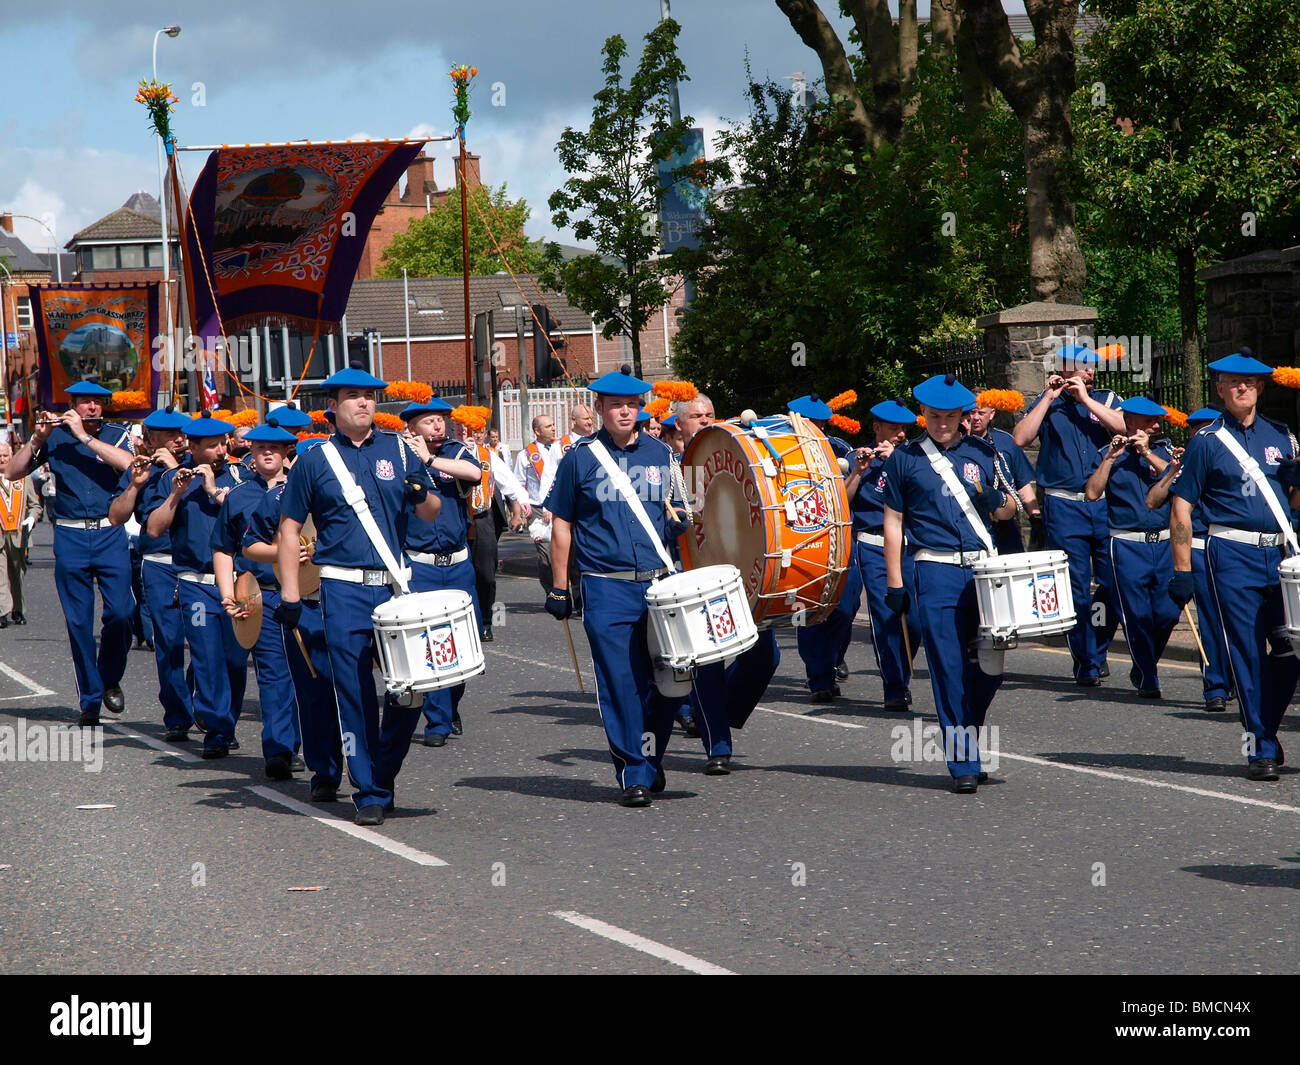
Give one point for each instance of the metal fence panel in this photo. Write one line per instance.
(553, 402)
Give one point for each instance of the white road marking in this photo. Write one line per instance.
(1164, 662)
(533, 662)
(366, 835)
(26, 682)
(645, 946)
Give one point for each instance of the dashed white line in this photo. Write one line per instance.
(27, 682)
(645, 946)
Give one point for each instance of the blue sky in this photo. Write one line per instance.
(74, 145)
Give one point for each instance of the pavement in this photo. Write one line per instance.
(1117, 835)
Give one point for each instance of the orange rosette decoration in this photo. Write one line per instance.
(1175, 417)
(220, 413)
(411, 391)
(844, 399)
(846, 425)
(384, 420)
(1287, 376)
(675, 391)
(243, 417)
(1111, 353)
(658, 408)
(313, 436)
(920, 421)
(128, 400)
(318, 417)
(1005, 399)
(473, 418)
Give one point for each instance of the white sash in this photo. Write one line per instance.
(1251, 468)
(943, 467)
(356, 499)
(620, 481)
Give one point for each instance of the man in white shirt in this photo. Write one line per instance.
(497, 487)
(535, 468)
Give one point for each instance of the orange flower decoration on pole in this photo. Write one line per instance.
(1175, 417)
(384, 420)
(675, 391)
(844, 399)
(846, 425)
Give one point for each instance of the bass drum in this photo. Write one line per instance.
(773, 505)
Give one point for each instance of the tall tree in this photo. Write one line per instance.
(431, 247)
(613, 195)
(1191, 133)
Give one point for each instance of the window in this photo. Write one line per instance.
(153, 255)
(132, 256)
(24, 312)
(103, 258)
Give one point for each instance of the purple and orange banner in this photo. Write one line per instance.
(101, 333)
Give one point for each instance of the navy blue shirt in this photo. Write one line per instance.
(449, 532)
(264, 519)
(196, 515)
(1013, 455)
(1068, 438)
(149, 545)
(932, 519)
(380, 465)
(868, 502)
(1131, 477)
(607, 536)
(84, 483)
(1211, 476)
(228, 532)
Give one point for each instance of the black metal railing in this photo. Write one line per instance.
(964, 358)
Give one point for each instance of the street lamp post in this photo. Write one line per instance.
(4, 351)
(58, 260)
(171, 31)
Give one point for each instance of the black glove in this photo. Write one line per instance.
(989, 500)
(288, 614)
(1037, 533)
(1181, 587)
(1289, 475)
(559, 604)
(898, 600)
(416, 490)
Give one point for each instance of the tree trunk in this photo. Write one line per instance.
(636, 355)
(819, 35)
(1189, 314)
(907, 48)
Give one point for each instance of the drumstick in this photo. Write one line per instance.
(573, 656)
(907, 645)
(303, 648)
(1199, 646)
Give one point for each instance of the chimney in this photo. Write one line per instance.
(419, 179)
(472, 176)
(7, 222)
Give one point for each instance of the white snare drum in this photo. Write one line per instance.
(427, 640)
(1019, 596)
(1289, 572)
(698, 617)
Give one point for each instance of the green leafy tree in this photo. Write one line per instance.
(431, 247)
(613, 196)
(1190, 134)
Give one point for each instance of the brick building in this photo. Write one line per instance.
(126, 245)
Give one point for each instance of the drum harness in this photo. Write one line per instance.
(355, 497)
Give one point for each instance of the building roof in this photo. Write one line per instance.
(1022, 27)
(137, 219)
(377, 304)
(19, 258)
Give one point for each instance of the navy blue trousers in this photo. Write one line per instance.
(1214, 671)
(220, 664)
(886, 626)
(1246, 590)
(275, 691)
(638, 720)
(373, 746)
(82, 559)
(441, 703)
(159, 582)
(823, 646)
(723, 696)
(1142, 573)
(1081, 530)
(318, 711)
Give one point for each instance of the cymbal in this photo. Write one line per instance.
(308, 572)
(249, 596)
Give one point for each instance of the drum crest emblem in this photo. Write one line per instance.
(1046, 602)
(440, 651)
(717, 615)
(811, 511)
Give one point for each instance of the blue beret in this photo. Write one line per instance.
(942, 392)
(619, 383)
(643, 417)
(352, 377)
(303, 446)
(1205, 414)
(89, 388)
(1244, 364)
(894, 412)
(670, 422)
(434, 406)
(1141, 405)
(810, 406)
(166, 419)
(971, 406)
(206, 426)
(1078, 354)
(271, 433)
(290, 417)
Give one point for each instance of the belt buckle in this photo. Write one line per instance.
(1153, 536)
(442, 560)
(373, 578)
(968, 558)
(1270, 539)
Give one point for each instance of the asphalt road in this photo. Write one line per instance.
(1117, 836)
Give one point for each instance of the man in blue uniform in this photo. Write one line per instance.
(1125, 471)
(1017, 471)
(313, 681)
(439, 549)
(941, 495)
(269, 446)
(823, 646)
(618, 558)
(186, 501)
(165, 440)
(389, 483)
(1241, 470)
(866, 489)
(1073, 422)
(1216, 688)
(87, 457)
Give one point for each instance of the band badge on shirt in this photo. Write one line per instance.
(653, 475)
(1272, 455)
(384, 469)
(880, 483)
(970, 471)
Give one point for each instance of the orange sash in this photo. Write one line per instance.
(535, 457)
(481, 498)
(11, 506)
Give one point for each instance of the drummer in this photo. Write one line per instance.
(439, 549)
(313, 681)
(1216, 687)
(1018, 472)
(1124, 472)
(944, 510)
(269, 446)
(865, 486)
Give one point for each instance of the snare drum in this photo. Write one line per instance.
(699, 617)
(773, 505)
(1024, 595)
(427, 640)
(1289, 572)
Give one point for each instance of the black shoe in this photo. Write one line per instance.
(1149, 693)
(823, 696)
(114, 702)
(457, 729)
(176, 735)
(324, 793)
(983, 778)
(234, 745)
(897, 705)
(636, 795)
(842, 669)
(216, 750)
(1135, 677)
(965, 785)
(278, 767)
(487, 635)
(1262, 769)
(718, 766)
(1103, 670)
(202, 729)
(1216, 705)
(4, 622)
(88, 718)
(688, 726)
(18, 618)
(297, 765)
(660, 783)
(370, 815)
(1088, 680)
(435, 740)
